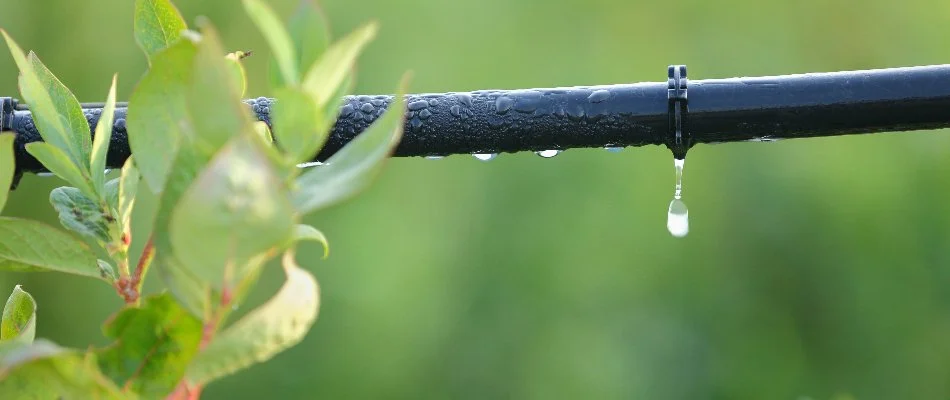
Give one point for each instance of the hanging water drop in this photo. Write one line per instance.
(548, 153)
(613, 149)
(485, 156)
(677, 218)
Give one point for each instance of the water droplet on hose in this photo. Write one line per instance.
(485, 156)
(677, 217)
(548, 153)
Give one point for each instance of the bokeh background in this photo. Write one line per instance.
(815, 268)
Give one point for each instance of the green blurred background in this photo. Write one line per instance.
(814, 269)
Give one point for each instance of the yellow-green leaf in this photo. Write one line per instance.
(298, 125)
(323, 79)
(214, 106)
(310, 33)
(158, 113)
(277, 38)
(7, 167)
(43, 370)
(100, 143)
(19, 317)
(234, 213)
(277, 325)
(304, 232)
(355, 165)
(58, 163)
(158, 24)
(56, 112)
(32, 244)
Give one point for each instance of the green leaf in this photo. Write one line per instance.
(158, 24)
(19, 317)
(82, 215)
(323, 79)
(310, 33)
(158, 114)
(7, 167)
(188, 289)
(306, 232)
(153, 345)
(57, 113)
(270, 329)
(215, 108)
(58, 163)
(235, 212)
(34, 245)
(100, 143)
(43, 370)
(355, 165)
(277, 38)
(298, 125)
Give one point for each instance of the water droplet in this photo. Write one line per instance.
(417, 105)
(599, 96)
(434, 157)
(677, 218)
(503, 104)
(613, 149)
(45, 174)
(548, 153)
(310, 164)
(485, 156)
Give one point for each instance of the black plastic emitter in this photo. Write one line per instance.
(715, 111)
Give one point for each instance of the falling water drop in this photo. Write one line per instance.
(548, 153)
(434, 157)
(613, 149)
(485, 156)
(677, 218)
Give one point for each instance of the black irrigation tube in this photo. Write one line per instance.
(677, 113)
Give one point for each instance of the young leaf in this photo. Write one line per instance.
(43, 370)
(157, 113)
(235, 212)
(236, 69)
(7, 167)
(323, 79)
(310, 33)
(153, 345)
(19, 317)
(57, 114)
(298, 125)
(158, 24)
(270, 329)
(34, 245)
(100, 143)
(216, 111)
(81, 214)
(306, 232)
(128, 185)
(58, 163)
(353, 167)
(277, 38)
